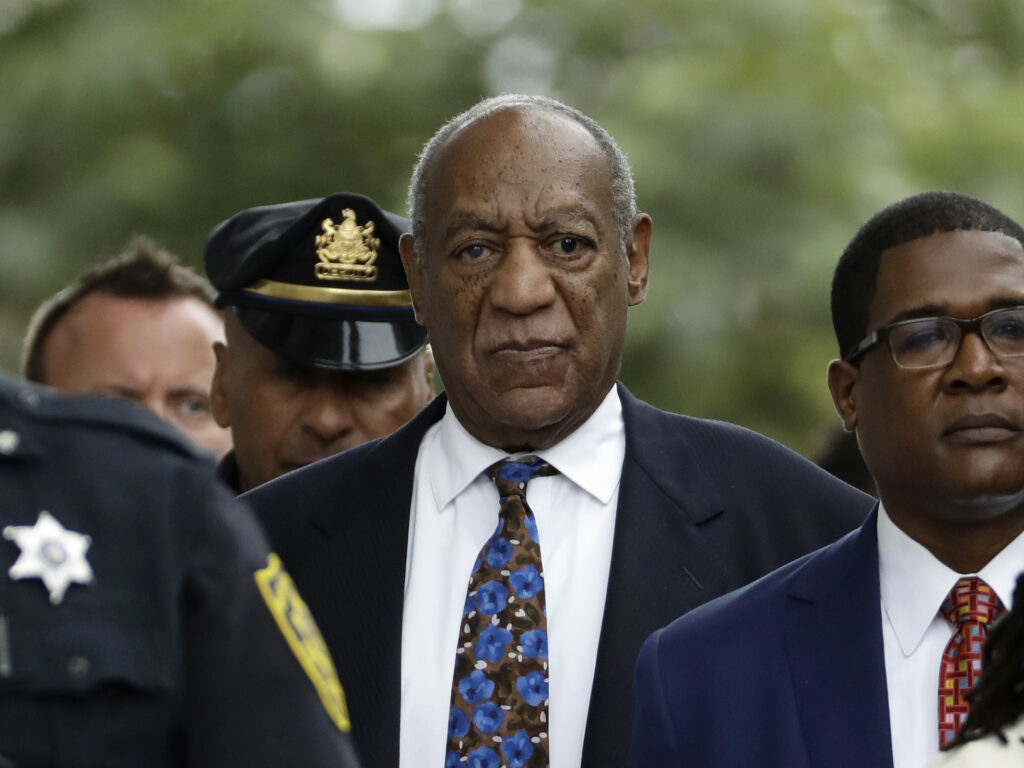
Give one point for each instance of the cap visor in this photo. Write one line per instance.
(340, 345)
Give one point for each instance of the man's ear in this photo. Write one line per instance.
(218, 398)
(414, 274)
(843, 378)
(638, 253)
(428, 372)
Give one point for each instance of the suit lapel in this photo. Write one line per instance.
(364, 606)
(834, 650)
(660, 568)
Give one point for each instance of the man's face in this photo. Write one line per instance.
(522, 280)
(284, 415)
(157, 352)
(945, 444)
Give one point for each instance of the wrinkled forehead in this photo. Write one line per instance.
(520, 141)
(518, 163)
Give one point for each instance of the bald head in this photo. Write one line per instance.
(621, 186)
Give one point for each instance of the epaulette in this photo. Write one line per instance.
(36, 402)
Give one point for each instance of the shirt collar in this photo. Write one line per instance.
(913, 582)
(591, 456)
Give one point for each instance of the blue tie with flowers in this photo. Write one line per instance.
(499, 704)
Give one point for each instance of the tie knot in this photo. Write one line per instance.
(512, 475)
(971, 599)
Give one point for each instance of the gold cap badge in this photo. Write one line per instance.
(346, 250)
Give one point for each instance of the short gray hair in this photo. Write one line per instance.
(623, 189)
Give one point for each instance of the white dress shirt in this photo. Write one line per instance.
(913, 586)
(454, 512)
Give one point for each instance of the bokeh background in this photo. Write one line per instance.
(762, 134)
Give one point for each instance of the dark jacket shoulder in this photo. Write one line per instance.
(821, 575)
(711, 466)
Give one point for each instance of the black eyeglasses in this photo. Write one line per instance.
(932, 341)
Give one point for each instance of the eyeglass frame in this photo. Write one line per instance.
(971, 325)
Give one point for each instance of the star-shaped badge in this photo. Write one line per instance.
(50, 552)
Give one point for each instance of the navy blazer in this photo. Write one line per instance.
(788, 672)
(704, 507)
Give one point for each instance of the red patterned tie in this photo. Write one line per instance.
(499, 705)
(970, 607)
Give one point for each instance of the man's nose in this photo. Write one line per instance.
(522, 282)
(328, 411)
(975, 366)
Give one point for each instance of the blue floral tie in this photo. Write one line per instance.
(499, 704)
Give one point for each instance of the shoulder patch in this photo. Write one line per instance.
(300, 630)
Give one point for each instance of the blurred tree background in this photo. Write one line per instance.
(762, 134)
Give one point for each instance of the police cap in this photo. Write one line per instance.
(318, 282)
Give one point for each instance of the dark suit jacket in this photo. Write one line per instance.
(704, 507)
(788, 672)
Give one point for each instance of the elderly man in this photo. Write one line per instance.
(138, 326)
(859, 655)
(420, 554)
(322, 352)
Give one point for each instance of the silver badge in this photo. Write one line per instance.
(9, 440)
(50, 552)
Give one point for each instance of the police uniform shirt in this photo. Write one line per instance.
(165, 634)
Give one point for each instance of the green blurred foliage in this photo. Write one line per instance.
(762, 135)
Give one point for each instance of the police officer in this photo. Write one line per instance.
(322, 350)
(142, 619)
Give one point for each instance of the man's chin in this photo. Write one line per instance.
(300, 462)
(972, 495)
(530, 417)
(975, 504)
(533, 407)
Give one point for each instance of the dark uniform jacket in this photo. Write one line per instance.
(167, 642)
(704, 507)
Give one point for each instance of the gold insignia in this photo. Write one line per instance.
(346, 250)
(300, 630)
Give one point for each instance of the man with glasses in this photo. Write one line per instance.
(860, 654)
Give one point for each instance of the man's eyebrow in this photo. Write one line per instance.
(1006, 302)
(467, 220)
(558, 216)
(120, 390)
(917, 313)
(458, 222)
(187, 392)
